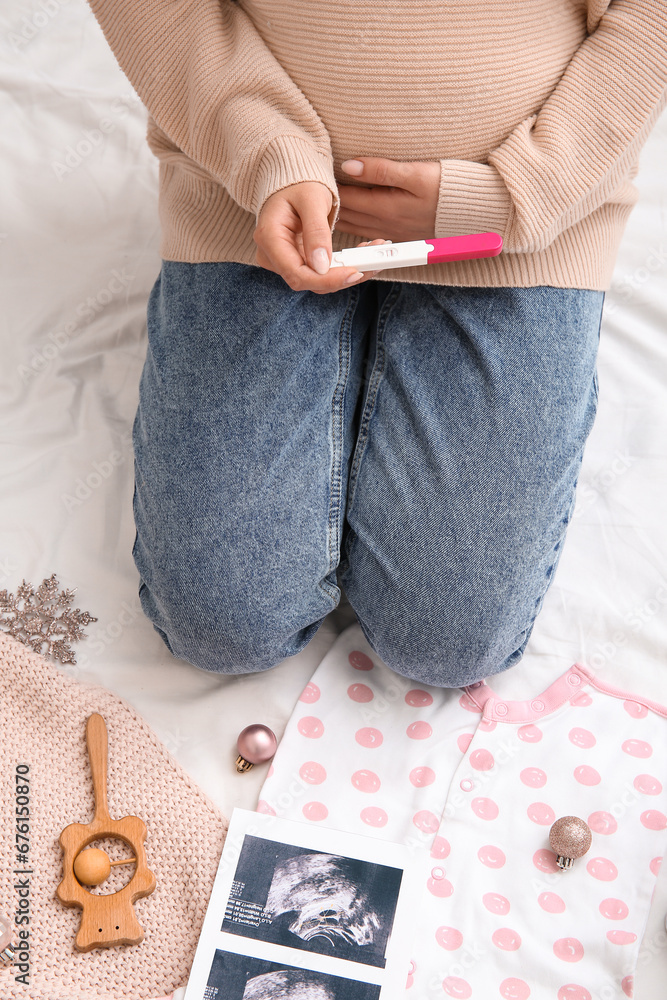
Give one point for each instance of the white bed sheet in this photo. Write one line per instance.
(79, 244)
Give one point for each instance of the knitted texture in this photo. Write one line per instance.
(43, 717)
(537, 112)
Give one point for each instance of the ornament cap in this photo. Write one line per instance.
(7, 949)
(243, 765)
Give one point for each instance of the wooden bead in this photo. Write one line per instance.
(92, 866)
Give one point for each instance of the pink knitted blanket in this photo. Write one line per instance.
(43, 753)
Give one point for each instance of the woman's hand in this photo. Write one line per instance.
(293, 238)
(400, 206)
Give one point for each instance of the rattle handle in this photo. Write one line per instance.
(96, 737)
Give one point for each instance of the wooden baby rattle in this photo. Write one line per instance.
(105, 920)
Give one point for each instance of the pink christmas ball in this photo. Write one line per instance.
(256, 744)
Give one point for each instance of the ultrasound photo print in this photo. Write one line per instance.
(337, 906)
(239, 977)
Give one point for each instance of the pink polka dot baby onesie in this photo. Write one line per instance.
(472, 784)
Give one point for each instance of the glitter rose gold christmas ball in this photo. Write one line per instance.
(570, 838)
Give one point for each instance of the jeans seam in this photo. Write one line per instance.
(550, 573)
(374, 380)
(337, 435)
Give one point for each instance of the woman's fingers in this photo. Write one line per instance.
(293, 239)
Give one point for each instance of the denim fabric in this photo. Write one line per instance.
(417, 444)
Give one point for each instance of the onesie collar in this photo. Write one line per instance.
(566, 688)
(556, 695)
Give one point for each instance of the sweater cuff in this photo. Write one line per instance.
(473, 198)
(291, 160)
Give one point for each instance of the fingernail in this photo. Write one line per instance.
(354, 277)
(320, 260)
(354, 167)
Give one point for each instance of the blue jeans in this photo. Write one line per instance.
(418, 444)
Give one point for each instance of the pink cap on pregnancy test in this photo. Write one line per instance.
(415, 252)
(464, 247)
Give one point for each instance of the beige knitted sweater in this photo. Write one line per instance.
(536, 109)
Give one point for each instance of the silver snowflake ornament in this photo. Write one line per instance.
(43, 619)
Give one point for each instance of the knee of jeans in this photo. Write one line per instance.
(200, 632)
(445, 660)
(441, 648)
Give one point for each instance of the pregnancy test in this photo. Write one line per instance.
(435, 251)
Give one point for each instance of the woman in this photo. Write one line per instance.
(413, 436)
